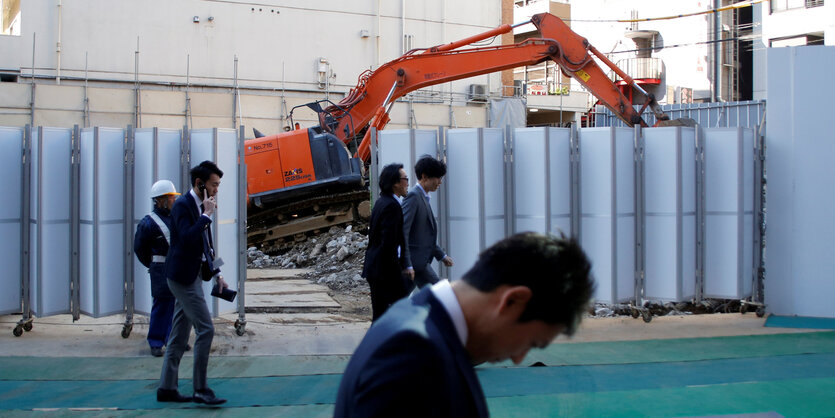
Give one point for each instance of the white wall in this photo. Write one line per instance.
(274, 40)
(801, 230)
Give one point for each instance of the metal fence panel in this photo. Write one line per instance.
(729, 158)
(50, 246)
(746, 114)
(102, 224)
(670, 213)
(11, 221)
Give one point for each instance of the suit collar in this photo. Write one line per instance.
(444, 323)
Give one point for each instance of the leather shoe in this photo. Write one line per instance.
(207, 396)
(171, 395)
(156, 351)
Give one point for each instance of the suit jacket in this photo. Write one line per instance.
(185, 254)
(421, 230)
(385, 235)
(411, 363)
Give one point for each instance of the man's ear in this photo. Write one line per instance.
(514, 299)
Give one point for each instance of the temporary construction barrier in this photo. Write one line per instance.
(78, 196)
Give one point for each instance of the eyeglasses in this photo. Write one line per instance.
(404, 178)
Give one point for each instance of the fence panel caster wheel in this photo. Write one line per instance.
(17, 331)
(647, 316)
(27, 326)
(760, 312)
(743, 308)
(635, 313)
(126, 329)
(240, 327)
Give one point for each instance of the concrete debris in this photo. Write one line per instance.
(335, 258)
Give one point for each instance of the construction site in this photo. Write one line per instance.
(683, 147)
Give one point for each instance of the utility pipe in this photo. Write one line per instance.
(58, 46)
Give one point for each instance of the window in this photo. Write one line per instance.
(10, 17)
(780, 5)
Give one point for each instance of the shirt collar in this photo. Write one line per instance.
(197, 200)
(424, 191)
(443, 291)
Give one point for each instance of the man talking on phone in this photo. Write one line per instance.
(191, 256)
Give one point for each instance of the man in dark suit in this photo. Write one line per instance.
(385, 256)
(191, 256)
(419, 224)
(418, 359)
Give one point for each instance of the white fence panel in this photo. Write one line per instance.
(220, 146)
(156, 157)
(50, 246)
(670, 213)
(102, 221)
(475, 186)
(607, 191)
(729, 205)
(542, 180)
(11, 222)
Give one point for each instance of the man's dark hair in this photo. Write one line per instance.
(555, 269)
(429, 166)
(389, 177)
(203, 171)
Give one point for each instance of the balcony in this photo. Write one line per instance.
(647, 70)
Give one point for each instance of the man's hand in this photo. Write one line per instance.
(209, 205)
(410, 273)
(448, 261)
(221, 282)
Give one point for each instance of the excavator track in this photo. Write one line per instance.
(277, 228)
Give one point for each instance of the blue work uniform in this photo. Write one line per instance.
(150, 245)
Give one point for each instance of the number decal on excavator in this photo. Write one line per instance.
(583, 75)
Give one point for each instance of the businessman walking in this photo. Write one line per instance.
(190, 256)
(419, 224)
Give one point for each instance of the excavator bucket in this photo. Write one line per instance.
(676, 122)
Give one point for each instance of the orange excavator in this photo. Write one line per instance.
(306, 179)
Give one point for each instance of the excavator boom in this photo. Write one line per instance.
(367, 102)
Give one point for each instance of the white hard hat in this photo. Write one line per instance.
(162, 188)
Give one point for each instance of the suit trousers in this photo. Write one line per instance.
(189, 310)
(426, 276)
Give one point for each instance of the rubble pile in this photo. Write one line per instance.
(335, 258)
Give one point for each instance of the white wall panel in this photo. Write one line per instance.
(11, 256)
(50, 267)
(729, 192)
(156, 157)
(800, 231)
(475, 182)
(220, 146)
(607, 191)
(670, 213)
(542, 180)
(102, 217)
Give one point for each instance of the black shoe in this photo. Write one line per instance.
(171, 395)
(207, 397)
(156, 351)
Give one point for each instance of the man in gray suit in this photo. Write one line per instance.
(419, 224)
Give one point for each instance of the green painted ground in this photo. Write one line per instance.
(790, 374)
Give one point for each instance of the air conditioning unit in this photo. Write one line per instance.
(478, 93)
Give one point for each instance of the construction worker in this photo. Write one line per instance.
(151, 246)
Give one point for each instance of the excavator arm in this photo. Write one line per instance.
(368, 103)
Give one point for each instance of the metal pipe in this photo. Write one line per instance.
(58, 46)
(715, 96)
